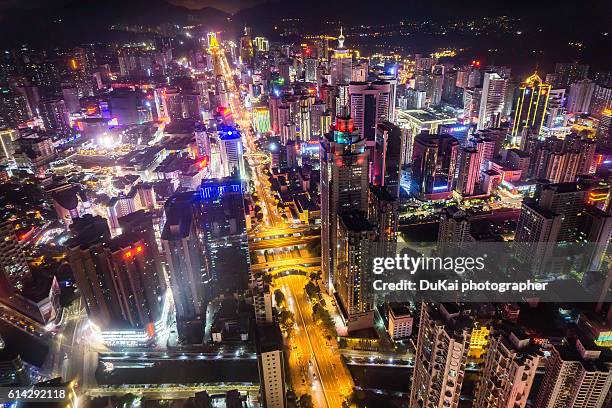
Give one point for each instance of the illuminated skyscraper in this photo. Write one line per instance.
(530, 108)
(369, 104)
(183, 250)
(434, 160)
(492, 100)
(469, 171)
(576, 376)
(344, 185)
(355, 250)
(509, 370)
(216, 53)
(232, 156)
(442, 350)
(246, 47)
(222, 222)
(55, 115)
(341, 63)
(386, 163)
(311, 70)
(121, 278)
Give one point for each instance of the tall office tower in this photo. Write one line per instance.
(216, 53)
(442, 349)
(392, 80)
(437, 84)
(475, 79)
(469, 171)
(341, 63)
(344, 186)
(510, 367)
(13, 265)
(354, 254)
(569, 72)
(275, 102)
(360, 72)
(232, 158)
(262, 44)
(492, 100)
(531, 108)
(383, 213)
(576, 376)
(183, 251)
(246, 47)
(449, 87)
(304, 119)
(311, 68)
(317, 110)
(284, 116)
(387, 160)
(55, 115)
(471, 103)
(601, 101)
(223, 222)
(487, 149)
(454, 225)
(369, 103)
(555, 111)
(463, 74)
(434, 160)
(271, 363)
(580, 95)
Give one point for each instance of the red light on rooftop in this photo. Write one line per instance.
(127, 255)
(139, 249)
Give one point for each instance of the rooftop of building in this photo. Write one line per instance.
(355, 221)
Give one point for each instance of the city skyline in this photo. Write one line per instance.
(305, 205)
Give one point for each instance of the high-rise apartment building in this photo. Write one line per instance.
(442, 349)
(580, 95)
(355, 250)
(509, 370)
(271, 363)
(13, 265)
(576, 376)
(55, 115)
